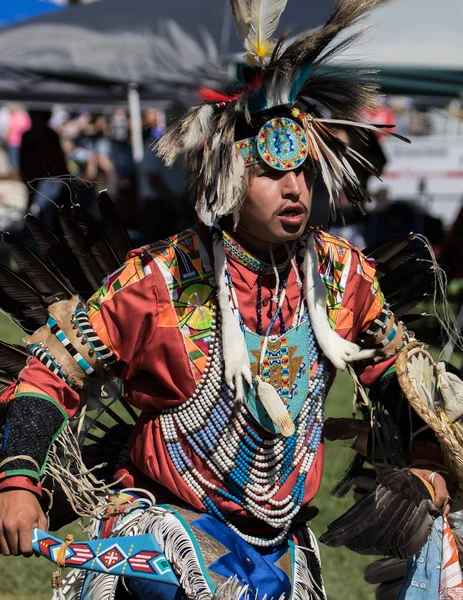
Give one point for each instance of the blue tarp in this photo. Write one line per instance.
(14, 11)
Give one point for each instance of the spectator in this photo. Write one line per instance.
(121, 147)
(153, 126)
(42, 159)
(18, 122)
(100, 158)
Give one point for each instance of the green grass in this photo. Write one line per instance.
(24, 579)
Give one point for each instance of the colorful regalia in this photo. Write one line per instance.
(219, 362)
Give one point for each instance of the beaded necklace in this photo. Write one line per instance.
(250, 468)
(259, 310)
(251, 262)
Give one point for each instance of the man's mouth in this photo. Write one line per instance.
(291, 211)
(292, 214)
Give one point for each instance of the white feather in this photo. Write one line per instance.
(275, 407)
(265, 16)
(232, 196)
(331, 158)
(326, 176)
(339, 352)
(235, 354)
(198, 129)
(241, 10)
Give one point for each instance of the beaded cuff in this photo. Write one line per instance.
(386, 334)
(31, 426)
(68, 345)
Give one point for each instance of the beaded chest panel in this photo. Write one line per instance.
(290, 361)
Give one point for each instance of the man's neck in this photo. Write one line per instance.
(257, 247)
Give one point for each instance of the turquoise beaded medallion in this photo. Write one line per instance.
(281, 143)
(288, 362)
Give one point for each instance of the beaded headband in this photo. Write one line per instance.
(281, 143)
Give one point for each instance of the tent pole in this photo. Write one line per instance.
(135, 123)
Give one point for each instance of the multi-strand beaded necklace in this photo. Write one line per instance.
(238, 459)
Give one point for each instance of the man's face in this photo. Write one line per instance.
(277, 207)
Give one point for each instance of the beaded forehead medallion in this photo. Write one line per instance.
(281, 143)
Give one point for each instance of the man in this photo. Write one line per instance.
(227, 338)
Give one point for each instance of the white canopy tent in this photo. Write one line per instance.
(412, 33)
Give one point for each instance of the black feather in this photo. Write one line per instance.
(21, 301)
(385, 570)
(420, 276)
(389, 591)
(12, 359)
(401, 260)
(59, 255)
(75, 240)
(414, 317)
(405, 305)
(385, 249)
(116, 233)
(45, 282)
(349, 477)
(95, 241)
(394, 518)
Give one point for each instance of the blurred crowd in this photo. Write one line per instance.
(42, 152)
(413, 118)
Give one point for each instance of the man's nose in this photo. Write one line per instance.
(291, 185)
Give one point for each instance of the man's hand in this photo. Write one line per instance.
(20, 513)
(443, 499)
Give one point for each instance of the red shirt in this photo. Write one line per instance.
(137, 320)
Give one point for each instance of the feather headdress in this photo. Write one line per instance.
(286, 80)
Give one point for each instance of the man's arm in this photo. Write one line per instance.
(66, 354)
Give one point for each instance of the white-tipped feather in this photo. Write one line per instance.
(325, 171)
(275, 407)
(233, 196)
(198, 128)
(331, 158)
(235, 354)
(338, 351)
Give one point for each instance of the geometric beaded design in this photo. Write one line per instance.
(289, 361)
(240, 461)
(281, 143)
(102, 352)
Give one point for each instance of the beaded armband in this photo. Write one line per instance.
(31, 426)
(387, 334)
(68, 345)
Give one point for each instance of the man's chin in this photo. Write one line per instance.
(292, 232)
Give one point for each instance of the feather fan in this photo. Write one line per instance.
(393, 519)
